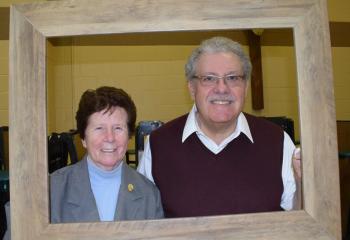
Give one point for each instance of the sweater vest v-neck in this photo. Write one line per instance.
(244, 177)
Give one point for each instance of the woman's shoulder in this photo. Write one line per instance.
(131, 177)
(68, 171)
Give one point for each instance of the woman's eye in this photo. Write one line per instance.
(118, 128)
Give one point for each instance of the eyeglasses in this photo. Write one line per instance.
(211, 80)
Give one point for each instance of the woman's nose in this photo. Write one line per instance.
(109, 135)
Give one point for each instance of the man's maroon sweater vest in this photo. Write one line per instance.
(244, 177)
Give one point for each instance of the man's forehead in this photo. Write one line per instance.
(227, 61)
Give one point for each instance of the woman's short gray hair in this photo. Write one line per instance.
(218, 45)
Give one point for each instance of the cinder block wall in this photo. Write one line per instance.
(4, 83)
(153, 75)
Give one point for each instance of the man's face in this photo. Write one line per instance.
(218, 104)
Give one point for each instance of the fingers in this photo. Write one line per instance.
(296, 161)
(296, 154)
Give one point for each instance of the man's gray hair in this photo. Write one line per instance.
(218, 45)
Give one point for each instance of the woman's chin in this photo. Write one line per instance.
(110, 164)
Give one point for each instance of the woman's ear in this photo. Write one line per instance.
(83, 142)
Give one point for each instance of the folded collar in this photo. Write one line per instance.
(191, 126)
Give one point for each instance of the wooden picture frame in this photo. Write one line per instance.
(32, 24)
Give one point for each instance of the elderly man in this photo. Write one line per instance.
(216, 159)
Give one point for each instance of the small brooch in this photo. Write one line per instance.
(130, 187)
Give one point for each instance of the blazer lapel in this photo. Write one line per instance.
(129, 196)
(80, 198)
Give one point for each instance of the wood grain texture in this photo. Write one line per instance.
(28, 154)
(85, 17)
(32, 24)
(317, 116)
(339, 31)
(279, 225)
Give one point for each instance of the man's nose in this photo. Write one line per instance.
(221, 85)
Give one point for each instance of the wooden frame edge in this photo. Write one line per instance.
(32, 24)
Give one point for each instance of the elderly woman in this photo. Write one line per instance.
(101, 187)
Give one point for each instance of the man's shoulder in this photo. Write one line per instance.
(170, 131)
(261, 127)
(255, 121)
(175, 124)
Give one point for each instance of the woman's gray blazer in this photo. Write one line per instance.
(72, 199)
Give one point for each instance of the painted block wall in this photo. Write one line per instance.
(4, 83)
(154, 77)
(59, 86)
(72, 69)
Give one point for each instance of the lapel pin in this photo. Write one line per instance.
(130, 187)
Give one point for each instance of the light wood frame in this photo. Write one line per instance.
(32, 24)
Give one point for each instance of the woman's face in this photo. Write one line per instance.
(106, 137)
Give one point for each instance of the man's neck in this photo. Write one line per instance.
(216, 131)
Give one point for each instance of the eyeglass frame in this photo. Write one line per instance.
(211, 83)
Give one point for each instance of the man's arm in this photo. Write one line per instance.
(289, 184)
(145, 164)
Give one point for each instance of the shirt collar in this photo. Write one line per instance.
(191, 126)
(93, 168)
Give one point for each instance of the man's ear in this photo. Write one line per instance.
(246, 88)
(191, 88)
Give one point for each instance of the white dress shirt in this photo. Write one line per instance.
(289, 187)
